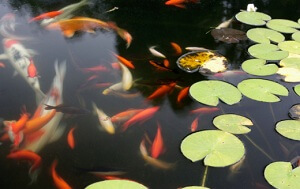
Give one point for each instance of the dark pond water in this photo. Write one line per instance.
(150, 23)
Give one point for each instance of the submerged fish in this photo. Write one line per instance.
(59, 182)
(50, 14)
(158, 143)
(224, 24)
(156, 53)
(68, 109)
(104, 120)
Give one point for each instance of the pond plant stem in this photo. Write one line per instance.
(204, 176)
(272, 112)
(259, 148)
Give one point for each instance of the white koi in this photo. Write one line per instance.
(225, 24)
(156, 53)
(104, 120)
(126, 78)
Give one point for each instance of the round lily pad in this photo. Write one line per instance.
(294, 112)
(290, 63)
(233, 123)
(120, 184)
(282, 25)
(252, 18)
(289, 129)
(264, 35)
(281, 175)
(209, 92)
(290, 46)
(267, 52)
(297, 89)
(218, 148)
(259, 67)
(262, 90)
(296, 36)
(195, 187)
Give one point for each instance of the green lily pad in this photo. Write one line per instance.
(290, 46)
(297, 89)
(252, 18)
(282, 25)
(290, 63)
(259, 67)
(120, 184)
(281, 175)
(219, 148)
(232, 123)
(262, 90)
(209, 92)
(195, 187)
(264, 35)
(289, 128)
(267, 52)
(296, 36)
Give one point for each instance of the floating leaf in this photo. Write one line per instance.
(290, 63)
(294, 112)
(289, 74)
(262, 90)
(297, 89)
(194, 187)
(252, 18)
(264, 35)
(232, 123)
(281, 175)
(290, 46)
(289, 128)
(228, 35)
(296, 36)
(204, 61)
(282, 25)
(209, 92)
(120, 184)
(259, 67)
(219, 148)
(267, 52)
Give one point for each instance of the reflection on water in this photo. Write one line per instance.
(150, 24)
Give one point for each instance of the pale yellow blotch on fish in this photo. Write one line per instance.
(104, 120)
(126, 78)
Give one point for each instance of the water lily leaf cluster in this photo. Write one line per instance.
(120, 184)
(282, 175)
(259, 67)
(217, 148)
(233, 123)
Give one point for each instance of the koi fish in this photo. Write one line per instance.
(125, 115)
(166, 63)
(158, 143)
(58, 181)
(104, 120)
(205, 110)
(53, 98)
(30, 156)
(224, 24)
(161, 91)
(51, 14)
(194, 124)
(96, 69)
(69, 26)
(113, 88)
(152, 161)
(182, 94)
(31, 70)
(122, 33)
(179, 3)
(70, 138)
(155, 52)
(160, 66)
(229, 73)
(124, 61)
(68, 109)
(127, 81)
(141, 116)
(19, 58)
(176, 47)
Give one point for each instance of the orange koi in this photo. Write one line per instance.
(141, 116)
(124, 61)
(166, 63)
(27, 155)
(177, 48)
(70, 26)
(158, 143)
(159, 66)
(125, 115)
(99, 68)
(205, 110)
(194, 124)
(182, 94)
(162, 90)
(35, 124)
(121, 32)
(31, 70)
(70, 138)
(51, 14)
(179, 3)
(58, 181)
(20, 124)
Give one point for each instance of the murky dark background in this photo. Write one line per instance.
(150, 23)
